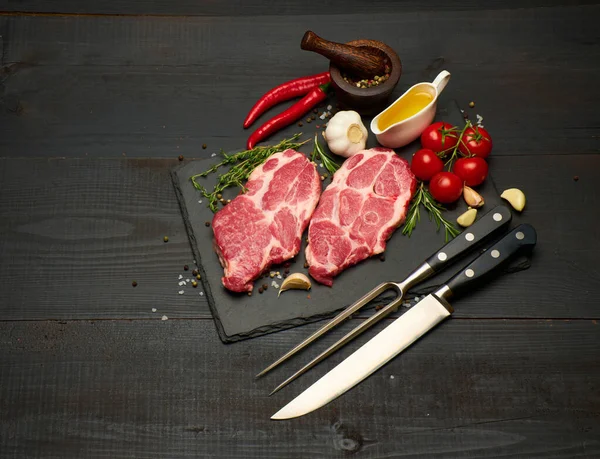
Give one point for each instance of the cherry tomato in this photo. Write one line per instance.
(472, 171)
(445, 187)
(476, 141)
(439, 136)
(425, 164)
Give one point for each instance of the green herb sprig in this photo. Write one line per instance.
(242, 165)
(319, 156)
(422, 196)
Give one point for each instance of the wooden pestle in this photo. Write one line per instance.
(359, 61)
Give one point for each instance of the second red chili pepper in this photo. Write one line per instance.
(285, 91)
(288, 116)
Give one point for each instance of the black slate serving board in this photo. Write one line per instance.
(239, 316)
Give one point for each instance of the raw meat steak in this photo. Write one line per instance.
(264, 226)
(358, 212)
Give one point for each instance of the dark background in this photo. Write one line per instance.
(98, 99)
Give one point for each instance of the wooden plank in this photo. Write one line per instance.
(76, 233)
(152, 86)
(265, 8)
(157, 389)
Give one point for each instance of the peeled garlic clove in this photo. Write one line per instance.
(295, 281)
(515, 197)
(472, 198)
(468, 218)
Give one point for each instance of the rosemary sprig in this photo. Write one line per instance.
(319, 156)
(422, 196)
(242, 165)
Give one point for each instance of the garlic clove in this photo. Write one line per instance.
(295, 281)
(472, 198)
(515, 197)
(468, 218)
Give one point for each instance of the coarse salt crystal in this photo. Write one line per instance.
(274, 284)
(153, 309)
(201, 293)
(164, 318)
(320, 164)
(187, 280)
(180, 277)
(391, 376)
(329, 107)
(213, 155)
(279, 276)
(181, 283)
(199, 202)
(322, 116)
(180, 292)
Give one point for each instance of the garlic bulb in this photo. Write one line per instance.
(346, 134)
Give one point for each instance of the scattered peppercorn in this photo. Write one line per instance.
(204, 146)
(318, 126)
(316, 110)
(166, 238)
(382, 257)
(287, 270)
(308, 120)
(228, 201)
(134, 284)
(260, 290)
(195, 272)
(219, 196)
(265, 286)
(206, 224)
(313, 117)
(471, 104)
(180, 157)
(194, 284)
(198, 277)
(325, 175)
(186, 267)
(249, 293)
(306, 265)
(300, 124)
(576, 178)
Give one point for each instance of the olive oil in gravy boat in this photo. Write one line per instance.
(405, 131)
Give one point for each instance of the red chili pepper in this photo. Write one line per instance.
(285, 91)
(288, 116)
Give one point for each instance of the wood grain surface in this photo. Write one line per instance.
(155, 389)
(149, 86)
(97, 100)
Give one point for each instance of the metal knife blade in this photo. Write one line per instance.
(370, 357)
(409, 327)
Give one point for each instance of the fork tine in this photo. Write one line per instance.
(385, 311)
(335, 321)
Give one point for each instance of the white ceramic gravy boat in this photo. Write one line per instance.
(405, 131)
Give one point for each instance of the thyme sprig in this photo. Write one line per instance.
(319, 156)
(242, 165)
(422, 196)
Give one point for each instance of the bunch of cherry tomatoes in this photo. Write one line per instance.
(463, 152)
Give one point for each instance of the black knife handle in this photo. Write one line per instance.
(487, 225)
(520, 238)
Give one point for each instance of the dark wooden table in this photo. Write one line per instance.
(98, 99)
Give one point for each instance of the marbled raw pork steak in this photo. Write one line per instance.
(264, 226)
(358, 212)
